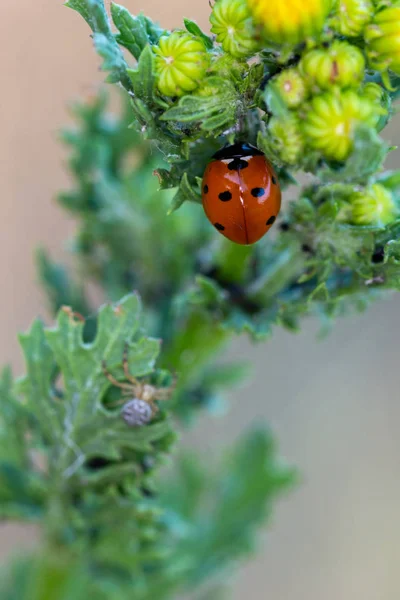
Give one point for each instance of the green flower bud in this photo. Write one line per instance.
(374, 205)
(232, 23)
(181, 62)
(380, 97)
(383, 40)
(373, 91)
(333, 118)
(351, 16)
(286, 138)
(291, 87)
(291, 21)
(341, 64)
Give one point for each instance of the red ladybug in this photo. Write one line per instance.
(241, 193)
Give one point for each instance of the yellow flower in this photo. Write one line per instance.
(351, 16)
(342, 64)
(383, 39)
(290, 21)
(333, 118)
(373, 206)
(181, 62)
(291, 87)
(232, 23)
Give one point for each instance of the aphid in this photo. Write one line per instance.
(241, 193)
(142, 407)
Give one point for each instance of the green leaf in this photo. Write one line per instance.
(284, 269)
(113, 59)
(135, 33)
(80, 420)
(22, 491)
(214, 110)
(38, 382)
(95, 14)
(186, 193)
(227, 504)
(143, 77)
(194, 29)
(59, 288)
(84, 9)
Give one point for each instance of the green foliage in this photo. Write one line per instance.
(135, 33)
(94, 13)
(225, 506)
(113, 528)
(115, 523)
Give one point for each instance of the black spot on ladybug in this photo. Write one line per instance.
(219, 226)
(273, 180)
(225, 196)
(271, 220)
(257, 192)
(205, 189)
(238, 164)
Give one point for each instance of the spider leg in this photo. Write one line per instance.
(123, 386)
(166, 393)
(125, 364)
(162, 394)
(154, 406)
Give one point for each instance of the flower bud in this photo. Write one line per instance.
(291, 21)
(181, 63)
(291, 87)
(286, 138)
(232, 24)
(341, 64)
(380, 97)
(374, 205)
(351, 16)
(383, 40)
(333, 118)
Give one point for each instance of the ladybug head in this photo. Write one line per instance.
(237, 151)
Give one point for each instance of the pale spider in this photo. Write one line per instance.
(141, 407)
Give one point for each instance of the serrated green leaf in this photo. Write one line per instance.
(95, 14)
(213, 110)
(143, 78)
(84, 9)
(78, 419)
(38, 383)
(194, 29)
(135, 33)
(113, 60)
(226, 504)
(60, 289)
(186, 193)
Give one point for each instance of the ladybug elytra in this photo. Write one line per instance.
(241, 193)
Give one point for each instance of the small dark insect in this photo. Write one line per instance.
(141, 407)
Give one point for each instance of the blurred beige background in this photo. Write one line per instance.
(333, 404)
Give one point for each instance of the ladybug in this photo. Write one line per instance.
(241, 193)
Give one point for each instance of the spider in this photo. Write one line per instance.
(141, 408)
